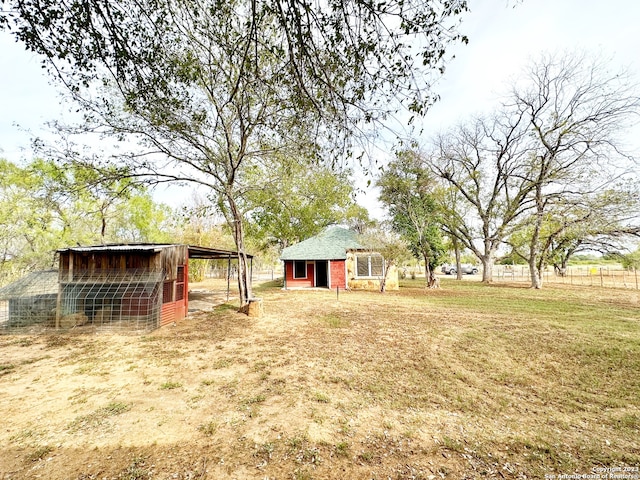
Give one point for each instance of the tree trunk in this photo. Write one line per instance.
(536, 280)
(564, 265)
(487, 258)
(430, 275)
(456, 249)
(244, 282)
(534, 253)
(383, 282)
(541, 268)
(433, 281)
(487, 267)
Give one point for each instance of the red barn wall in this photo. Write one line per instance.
(177, 309)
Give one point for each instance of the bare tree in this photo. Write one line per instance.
(576, 110)
(384, 241)
(479, 163)
(552, 144)
(603, 221)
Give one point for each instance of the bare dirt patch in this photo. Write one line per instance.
(417, 384)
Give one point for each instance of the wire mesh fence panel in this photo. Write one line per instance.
(113, 300)
(592, 276)
(29, 304)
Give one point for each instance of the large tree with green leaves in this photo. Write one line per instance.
(44, 207)
(210, 89)
(408, 190)
(299, 200)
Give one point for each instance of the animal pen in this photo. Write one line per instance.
(137, 287)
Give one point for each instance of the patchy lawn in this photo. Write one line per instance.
(464, 382)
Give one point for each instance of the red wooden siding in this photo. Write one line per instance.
(168, 313)
(337, 274)
(299, 282)
(176, 310)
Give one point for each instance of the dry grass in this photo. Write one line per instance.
(465, 382)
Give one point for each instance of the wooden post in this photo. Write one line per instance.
(253, 308)
(69, 278)
(228, 277)
(59, 304)
(284, 277)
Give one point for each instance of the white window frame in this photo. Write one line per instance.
(368, 257)
(305, 270)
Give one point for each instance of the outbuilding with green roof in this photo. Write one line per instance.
(334, 259)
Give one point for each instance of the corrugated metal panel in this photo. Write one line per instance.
(212, 253)
(117, 248)
(194, 250)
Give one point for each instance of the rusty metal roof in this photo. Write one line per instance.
(195, 251)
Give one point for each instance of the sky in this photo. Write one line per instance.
(504, 36)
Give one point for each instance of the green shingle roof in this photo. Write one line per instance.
(332, 244)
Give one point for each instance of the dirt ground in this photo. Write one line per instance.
(218, 395)
(296, 394)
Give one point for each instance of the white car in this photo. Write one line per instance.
(466, 268)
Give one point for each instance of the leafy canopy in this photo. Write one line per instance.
(408, 191)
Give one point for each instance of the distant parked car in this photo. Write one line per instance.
(466, 268)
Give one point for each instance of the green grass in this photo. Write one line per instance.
(540, 360)
(334, 320)
(321, 397)
(170, 385)
(40, 452)
(209, 428)
(342, 449)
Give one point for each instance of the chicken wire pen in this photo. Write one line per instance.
(117, 287)
(29, 304)
(113, 300)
